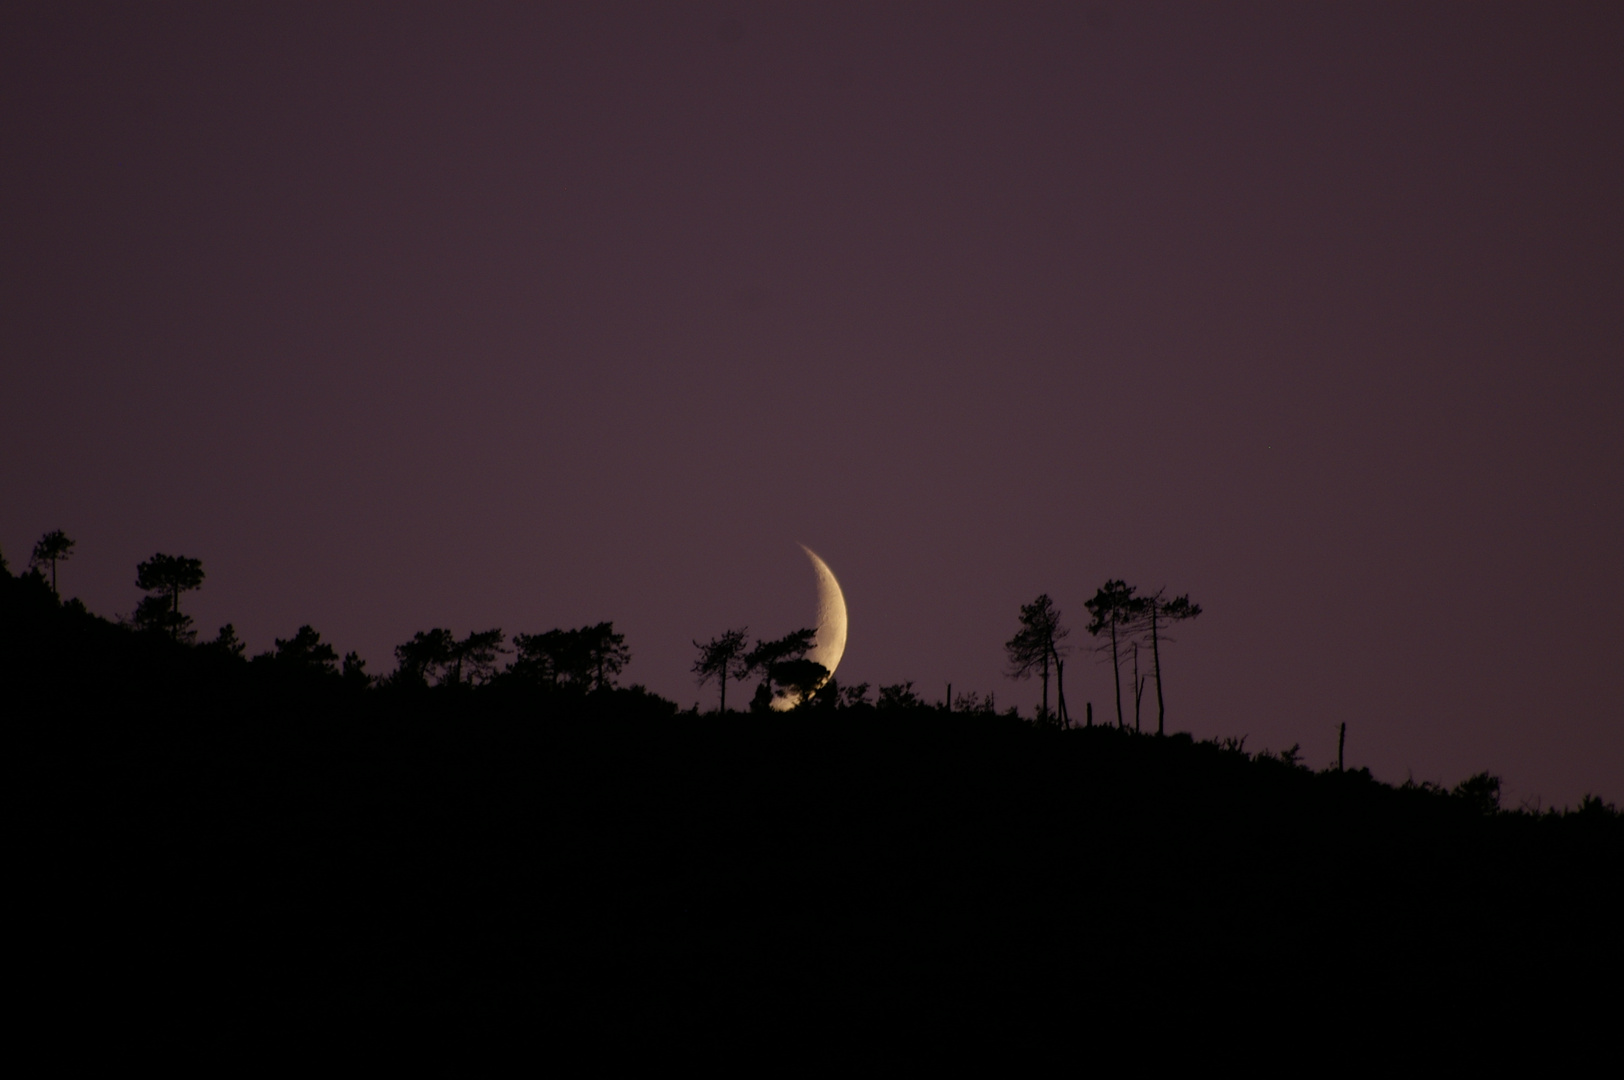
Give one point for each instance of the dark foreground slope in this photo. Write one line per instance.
(205, 837)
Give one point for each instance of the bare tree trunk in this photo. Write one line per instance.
(1045, 714)
(1090, 714)
(1341, 741)
(1060, 689)
(723, 710)
(1156, 662)
(1138, 688)
(1116, 670)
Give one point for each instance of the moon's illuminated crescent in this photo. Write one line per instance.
(831, 639)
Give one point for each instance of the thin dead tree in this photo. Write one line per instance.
(1138, 686)
(1155, 614)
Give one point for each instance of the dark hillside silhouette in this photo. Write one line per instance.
(540, 847)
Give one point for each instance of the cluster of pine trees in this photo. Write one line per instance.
(1121, 620)
(787, 677)
(587, 659)
(592, 658)
(586, 663)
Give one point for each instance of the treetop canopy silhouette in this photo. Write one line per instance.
(54, 547)
(165, 577)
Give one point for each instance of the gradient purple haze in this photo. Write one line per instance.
(400, 317)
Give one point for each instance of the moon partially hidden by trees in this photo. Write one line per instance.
(831, 638)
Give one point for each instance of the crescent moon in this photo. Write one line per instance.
(831, 639)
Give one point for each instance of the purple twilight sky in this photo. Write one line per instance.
(400, 316)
